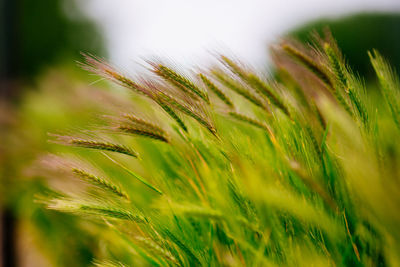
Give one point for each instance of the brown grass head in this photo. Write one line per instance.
(94, 144)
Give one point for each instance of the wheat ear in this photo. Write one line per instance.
(100, 182)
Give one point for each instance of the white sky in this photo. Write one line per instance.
(187, 30)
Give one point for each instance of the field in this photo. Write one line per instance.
(227, 166)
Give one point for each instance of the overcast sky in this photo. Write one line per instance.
(188, 30)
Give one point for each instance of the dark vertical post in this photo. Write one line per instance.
(9, 73)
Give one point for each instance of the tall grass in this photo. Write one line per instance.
(231, 168)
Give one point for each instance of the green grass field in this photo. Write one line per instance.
(225, 166)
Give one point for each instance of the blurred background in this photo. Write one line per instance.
(42, 90)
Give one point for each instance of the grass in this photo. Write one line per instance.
(231, 169)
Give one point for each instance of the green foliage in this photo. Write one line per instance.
(301, 171)
(50, 32)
